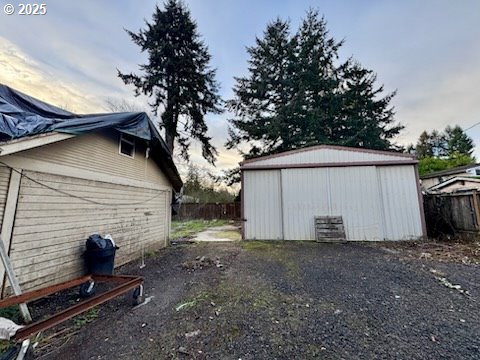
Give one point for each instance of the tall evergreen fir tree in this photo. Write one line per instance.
(458, 142)
(177, 77)
(444, 150)
(265, 97)
(366, 118)
(298, 94)
(424, 146)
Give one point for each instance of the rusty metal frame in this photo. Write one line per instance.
(123, 283)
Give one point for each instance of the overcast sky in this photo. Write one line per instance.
(429, 51)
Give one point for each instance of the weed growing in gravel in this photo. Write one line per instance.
(86, 318)
(275, 251)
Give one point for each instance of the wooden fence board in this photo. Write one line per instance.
(209, 211)
(451, 213)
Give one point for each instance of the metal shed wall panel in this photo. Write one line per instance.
(331, 192)
(326, 156)
(355, 196)
(304, 197)
(263, 205)
(402, 213)
(375, 202)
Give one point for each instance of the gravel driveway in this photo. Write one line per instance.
(256, 300)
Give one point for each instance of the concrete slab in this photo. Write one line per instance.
(219, 233)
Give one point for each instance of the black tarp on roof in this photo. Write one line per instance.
(22, 116)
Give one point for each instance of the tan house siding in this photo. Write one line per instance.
(4, 181)
(427, 183)
(432, 181)
(78, 187)
(51, 228)
(100, 152)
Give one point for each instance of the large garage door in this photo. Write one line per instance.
(51, 227)
(308, 193)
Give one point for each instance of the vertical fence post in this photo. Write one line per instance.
(476, 209)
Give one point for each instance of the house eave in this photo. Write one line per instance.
(16, 145)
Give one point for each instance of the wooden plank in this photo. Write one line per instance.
(328, 220)
(476, 209)
(329, 228)
(9, 214)
(331, 233)
(13, 281)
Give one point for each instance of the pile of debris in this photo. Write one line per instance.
(201, 262)
(465, 253)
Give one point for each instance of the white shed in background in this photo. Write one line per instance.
(330, 193)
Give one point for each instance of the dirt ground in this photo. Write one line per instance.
(277, 300)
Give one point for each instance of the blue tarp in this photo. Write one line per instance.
(22, 115)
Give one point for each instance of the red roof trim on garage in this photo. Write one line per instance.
(329, 147)
(328, 164)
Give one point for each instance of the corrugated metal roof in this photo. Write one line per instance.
(327, 155)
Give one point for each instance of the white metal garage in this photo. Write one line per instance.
(367, 195)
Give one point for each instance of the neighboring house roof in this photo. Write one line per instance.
(452, 171)
(26, 122)
(453, 180)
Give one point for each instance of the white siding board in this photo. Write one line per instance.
(327, 156)
(401, 208)
(263, 205)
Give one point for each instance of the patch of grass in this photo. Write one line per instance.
(275, 251)
(85, 318)
(257, 245)
(150, 254)
(232, 235)
(187, 229)
(5, 345)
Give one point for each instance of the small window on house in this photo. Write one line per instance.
(127, 145)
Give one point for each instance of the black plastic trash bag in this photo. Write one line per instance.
(100, 255)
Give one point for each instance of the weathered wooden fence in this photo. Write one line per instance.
(209, 211)
(452, 213)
